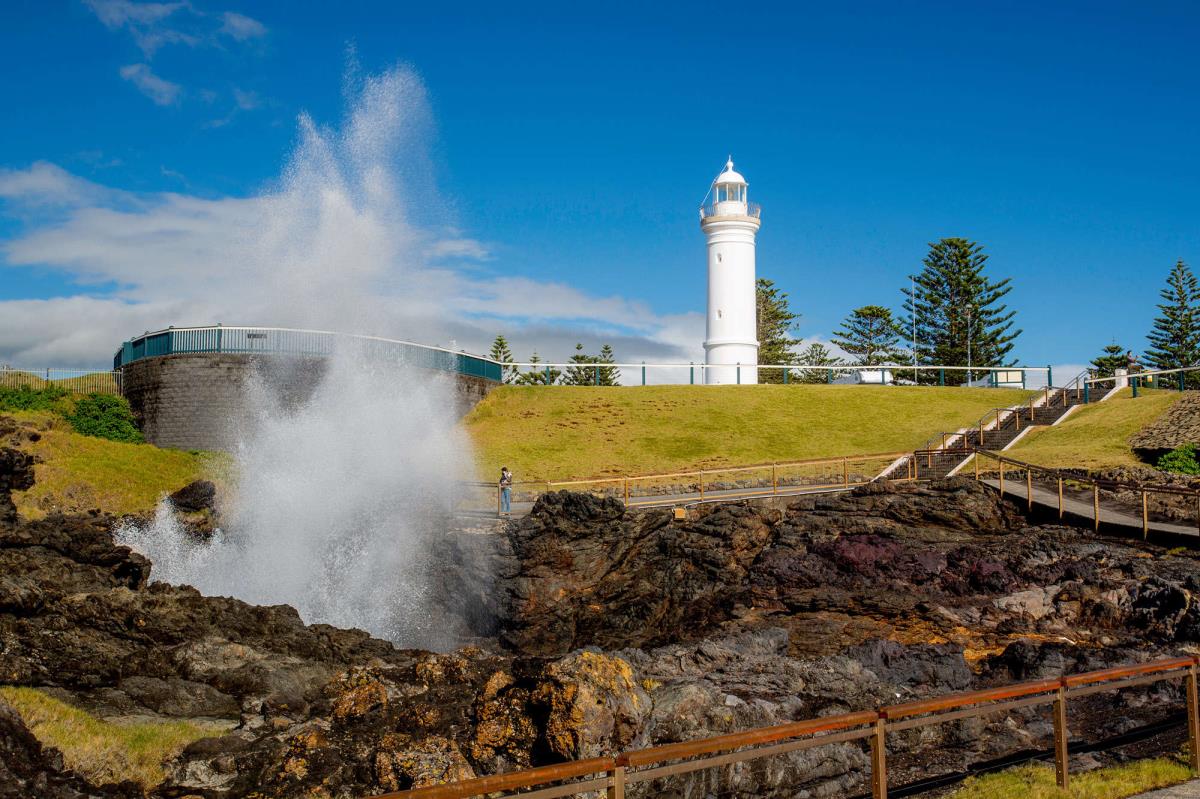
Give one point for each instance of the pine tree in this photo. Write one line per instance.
(580, 375)
(609, 375)
(775, 321)
(536, 376)
(1113, 358)
(957, 310)
(816, 354)
(870, 335)
(500, 352)
(1175, 339)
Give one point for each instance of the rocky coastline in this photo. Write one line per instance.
(598, 629)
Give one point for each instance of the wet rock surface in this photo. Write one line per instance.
(602, 631)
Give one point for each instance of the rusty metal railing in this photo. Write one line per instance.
(613, 774)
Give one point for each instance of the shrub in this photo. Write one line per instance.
(104, 416)
(1181, 460)
(26, 398)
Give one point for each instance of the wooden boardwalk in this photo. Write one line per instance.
(1080, 513)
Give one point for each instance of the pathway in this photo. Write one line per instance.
(1081, 511)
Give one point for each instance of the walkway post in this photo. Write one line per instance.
(1001, 477)
(1145, 517)
(879, 760)
(1193, 711)
(616, 789)
(1060, 502)
(1062, 773)
(1029, 489)
(1096, 506)
(774, 480)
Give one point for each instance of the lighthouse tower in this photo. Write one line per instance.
(730, 224)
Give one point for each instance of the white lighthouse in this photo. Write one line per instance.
(730, 224)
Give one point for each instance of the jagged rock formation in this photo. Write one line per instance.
(1178, 426)
(614, 630)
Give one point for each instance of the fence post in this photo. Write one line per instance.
(1029, 489)
(1181, 381)
(1062, 772)
(1049, 376)
(828, 375)
(976, 459)
(626, 490)
(845, 473)
(1060, 498)
(692, 373)
(701, 480)
(547, 375)
(879, 760)
(1096, 506)
(1193, 711)
(941, 377)
(786, 372)
(774, 480)
(1145, 517)
(616, 788)
(1001, 478)
(1134, 384)
(739, 373)
(497, 499)
(1087, 392)
(643, 373)
(597, 380)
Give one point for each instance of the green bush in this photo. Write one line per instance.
(32, 399)
(1181, 460)
(104, 416)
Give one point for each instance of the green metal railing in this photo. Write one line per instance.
(285, 341)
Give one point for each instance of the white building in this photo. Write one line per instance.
(730, 223)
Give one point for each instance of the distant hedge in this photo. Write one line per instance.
(98, 415)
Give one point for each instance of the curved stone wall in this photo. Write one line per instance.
(200, 400)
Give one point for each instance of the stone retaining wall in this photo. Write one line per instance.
(200, 400)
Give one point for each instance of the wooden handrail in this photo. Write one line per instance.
(1107, 484)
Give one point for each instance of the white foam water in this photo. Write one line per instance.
(336, 498)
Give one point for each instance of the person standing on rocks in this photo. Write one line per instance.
(506, 481)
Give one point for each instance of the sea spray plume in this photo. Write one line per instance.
(337, 497)
(335, 504)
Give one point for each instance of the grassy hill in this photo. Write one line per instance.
(565, 432)
(1095, 436)
(77, 473)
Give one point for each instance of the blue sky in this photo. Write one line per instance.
(564, 149)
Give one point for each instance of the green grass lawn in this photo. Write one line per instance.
(78, 473)
(1037, 782)
(1095, 436)
(105, 751)
(565, 432)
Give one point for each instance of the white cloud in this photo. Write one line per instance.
(162, 92)
(241, 27)
(148, 23)
(46, 184)
(246, 100)
(333, 244)
(116, 14)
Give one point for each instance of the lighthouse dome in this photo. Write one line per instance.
(730, 175)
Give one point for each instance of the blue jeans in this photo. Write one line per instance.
(506, 500)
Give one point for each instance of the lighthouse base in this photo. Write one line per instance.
(731, 363)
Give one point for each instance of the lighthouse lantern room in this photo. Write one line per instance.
(730, 224)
